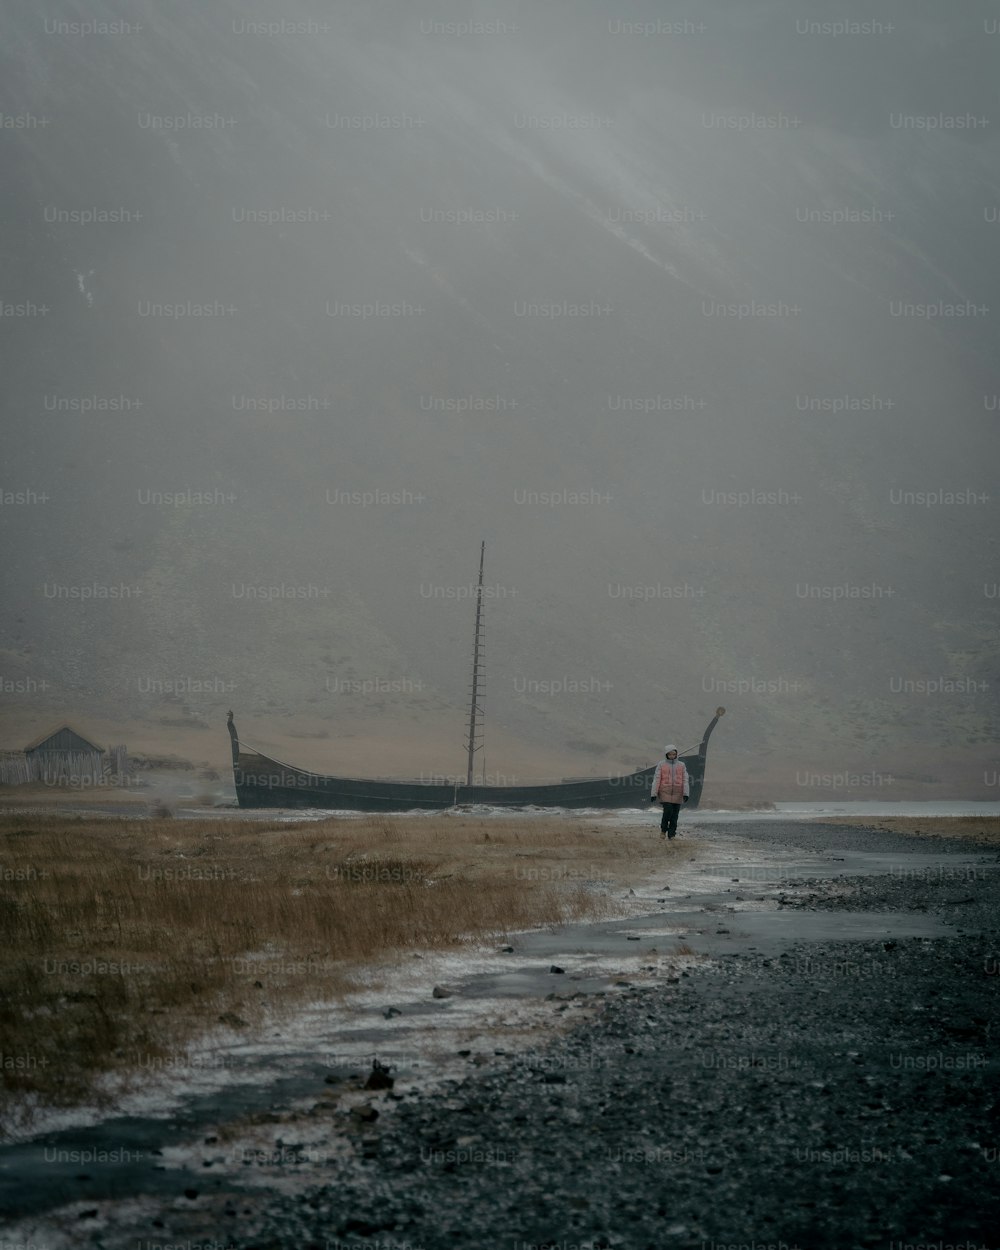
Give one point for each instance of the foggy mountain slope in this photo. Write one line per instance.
(605, 456)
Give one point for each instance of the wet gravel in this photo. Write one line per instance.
(844, 1094)
(819, 836)
(840, 1094)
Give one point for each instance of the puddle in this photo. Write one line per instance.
(723, 899)
(770, 931)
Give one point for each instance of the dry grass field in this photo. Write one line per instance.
(120, 937)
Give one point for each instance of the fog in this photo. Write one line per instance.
(688, 311)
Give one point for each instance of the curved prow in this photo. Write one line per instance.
(234, 740)
(698, 780)
(703, 745)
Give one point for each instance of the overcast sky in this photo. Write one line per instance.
(688, 310)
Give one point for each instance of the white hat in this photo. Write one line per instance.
(668, 748)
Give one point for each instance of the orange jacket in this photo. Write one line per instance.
(670, 781)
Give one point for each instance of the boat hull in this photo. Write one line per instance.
(265, 782)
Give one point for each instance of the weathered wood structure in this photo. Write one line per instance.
(262, 781)
(65, 757)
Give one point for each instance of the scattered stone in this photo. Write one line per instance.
(390, 1012)
(366, 1113)
(440, 992)
(361, 1228)
(556, 968)
(744, 1011)
(379, 1077)
(233, 1020)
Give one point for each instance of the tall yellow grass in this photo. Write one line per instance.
(120, 937)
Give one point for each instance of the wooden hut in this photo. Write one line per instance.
(64, 756)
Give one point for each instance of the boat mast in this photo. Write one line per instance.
(477, 649)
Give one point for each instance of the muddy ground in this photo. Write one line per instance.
(775, 1092)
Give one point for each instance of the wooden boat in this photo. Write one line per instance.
(262, 781)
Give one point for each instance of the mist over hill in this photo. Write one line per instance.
(688, 311)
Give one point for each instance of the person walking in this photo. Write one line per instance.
(670, 787)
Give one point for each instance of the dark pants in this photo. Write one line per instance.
(668, 821)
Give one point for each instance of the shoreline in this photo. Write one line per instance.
(983, 830)
(662, 1098)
